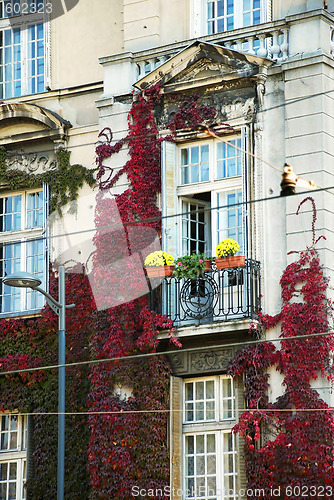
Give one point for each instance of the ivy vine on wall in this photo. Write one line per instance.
(64, 182)
(289, 443)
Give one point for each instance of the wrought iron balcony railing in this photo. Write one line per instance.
(220, 295)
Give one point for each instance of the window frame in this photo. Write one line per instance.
(219, 427)
(25, 236)
(23, 23)
(199, 23)
(17, 455)
(215, 186)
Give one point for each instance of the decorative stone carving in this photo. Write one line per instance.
(30, 162)
(211, 360)
(206, 361)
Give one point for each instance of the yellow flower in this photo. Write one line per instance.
(159, 258)
(227, 248)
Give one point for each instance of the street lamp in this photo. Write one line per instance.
(26, 280)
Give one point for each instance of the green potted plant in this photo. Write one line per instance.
(226, 257)
(159, 264)
(191, 266)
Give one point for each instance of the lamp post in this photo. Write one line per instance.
(26, 280)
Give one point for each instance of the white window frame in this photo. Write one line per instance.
(23, 22)
(220, 427)
(24, 236)
(215, 186)
(198, 16)
(16, 455)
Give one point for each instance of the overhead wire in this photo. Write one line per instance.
(138, 357)
(146, 220)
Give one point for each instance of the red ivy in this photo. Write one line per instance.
(300, 451)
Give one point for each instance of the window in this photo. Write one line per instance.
(225, 15)
(210, 189)
(13, 456)
(22, 247)
(210, 469)
(22, 49)
(218, 16)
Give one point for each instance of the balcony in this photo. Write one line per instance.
(220, 295)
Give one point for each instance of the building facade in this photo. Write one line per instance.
(263, 70)
(269, 81)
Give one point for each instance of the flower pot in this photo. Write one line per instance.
(159, 271)
(235, 261)
(207, 265)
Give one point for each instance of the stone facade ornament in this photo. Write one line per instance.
(30, 162)
(206, 361)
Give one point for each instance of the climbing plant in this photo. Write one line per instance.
(289, 443)
(29, 343)
(63, 182)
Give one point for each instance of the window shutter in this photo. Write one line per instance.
(176, 435)
(169, 198)
(240, 404)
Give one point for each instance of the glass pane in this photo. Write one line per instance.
(228, 462)
(3, 472)
(230, 23)
(189, 391)
(227, 388)
(3, 491)
(200, 444)
(190, 466)
(212, 486)
(189, 445)
(200, 486)
(210, 10)
(227, 441)
(200, 390)
(211, 443)
(200, 465)
(189, 412)
(210, 389)
(199, 410)
(220, 8)
(184, 157)
(40, 31)
(185, 175)
(195, 154)
(257, 17)
(247, 19)
(13, 470)
(12, 491)
(14, 422)
(4, 441)
(204, 172)
(230, 7)
(13, 440)
(210, 410)
(194, 173)
(211, 464)
(5, 423)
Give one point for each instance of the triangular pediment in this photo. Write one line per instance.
(203, 64)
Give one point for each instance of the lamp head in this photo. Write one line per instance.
(22, 279)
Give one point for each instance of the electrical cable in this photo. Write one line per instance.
(157, 411)
(137, 357)
(163, 217)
